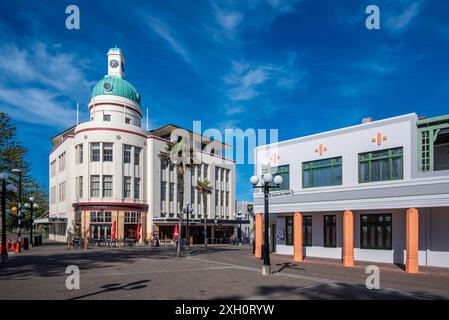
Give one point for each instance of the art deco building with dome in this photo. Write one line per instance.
(107, 176)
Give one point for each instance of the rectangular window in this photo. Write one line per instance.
(126, 187)
(95, 149)
(80, 187)
(106, 117)
(375, 231)
(227, 198)
(381, 165)
(53, 195)
(107, 151)
(62, 162)
(127, 120)
(321, 173)
(136, 156)
(132, 217)
(330, 231)
(217, 171)
(107, 186)
(80, 153)
(126, 154)
(216, 197)
(94, 186)
(289, 231)
(205, 169)
(307, 231)
(136, 188)
(172, 191)
(163, 191)
(283, 171)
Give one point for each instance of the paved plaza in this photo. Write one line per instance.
(219, 272)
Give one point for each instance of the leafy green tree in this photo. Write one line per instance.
(13, 156)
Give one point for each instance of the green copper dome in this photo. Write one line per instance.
(116, 86)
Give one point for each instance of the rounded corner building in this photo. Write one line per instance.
(108, 179)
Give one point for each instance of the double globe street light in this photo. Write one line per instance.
(267, 182)
(31, 206)
(6, 187)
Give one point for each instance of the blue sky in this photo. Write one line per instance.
(301, 66)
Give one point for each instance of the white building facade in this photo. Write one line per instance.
(108, 179)
(378, 192)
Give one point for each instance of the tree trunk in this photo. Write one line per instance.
(205, 218)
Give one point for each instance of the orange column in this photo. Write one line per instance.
(297, 236)
(348, 238)
(258, 235)
(412, 232)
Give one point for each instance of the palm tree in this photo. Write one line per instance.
(204, 187)
(181, 156)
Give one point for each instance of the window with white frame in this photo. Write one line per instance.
(126, 153)
(80, 187)
(126, 187)
(132, 217)
(107, 186)
(106, 117)
(137, 156)
(80, 153)
(107, 151)
(95, 152)
(136, 188)
(94, 186)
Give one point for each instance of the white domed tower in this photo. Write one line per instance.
(110, 153)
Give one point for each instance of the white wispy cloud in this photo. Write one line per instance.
(162, 29)
(247, 80)
(404, 14)
(35, 81)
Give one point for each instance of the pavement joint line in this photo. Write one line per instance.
(289, 275)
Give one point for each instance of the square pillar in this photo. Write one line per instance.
(348, 238)
(258, 252)
(297, 236)
(412, 231)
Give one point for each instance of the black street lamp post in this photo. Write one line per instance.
(266, 185)
(5, 188)
(19, 209)
(31, 206)
(238, 216)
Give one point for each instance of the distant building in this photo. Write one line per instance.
(378, 192)
(107, 173)
(244, 207)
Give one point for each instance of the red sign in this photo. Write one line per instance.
(114, 230)
(138, 231)
(175, 233)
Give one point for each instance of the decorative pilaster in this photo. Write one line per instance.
(412, 236)
(348, 238)
(297, 237)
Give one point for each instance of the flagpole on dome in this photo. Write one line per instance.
(148, 124)
(77, 113)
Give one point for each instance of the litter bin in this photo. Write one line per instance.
(26, 244)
